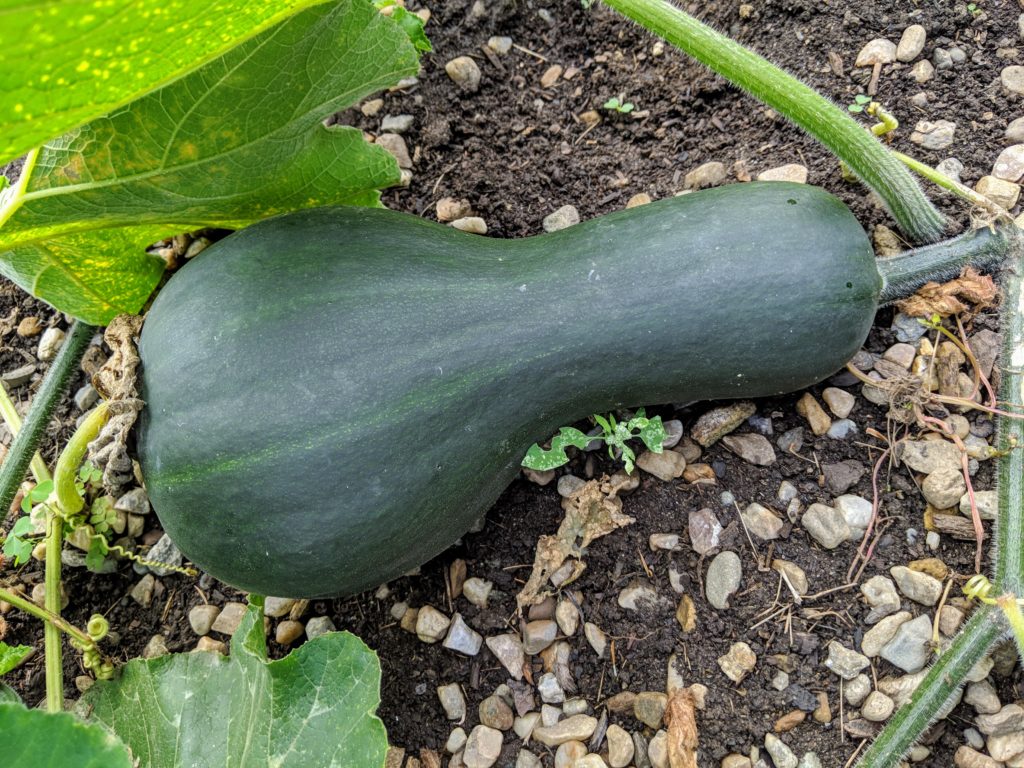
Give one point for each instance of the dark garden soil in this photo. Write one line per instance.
(517, 152)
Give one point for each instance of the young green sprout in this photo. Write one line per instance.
(617, 104)
(615, 435)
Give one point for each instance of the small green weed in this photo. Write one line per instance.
(617, 104)
(860, 103)
(615, 435)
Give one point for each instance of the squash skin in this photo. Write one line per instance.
(334, 396)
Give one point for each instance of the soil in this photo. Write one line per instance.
(517, 152)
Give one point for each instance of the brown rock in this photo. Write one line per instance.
(790, 721)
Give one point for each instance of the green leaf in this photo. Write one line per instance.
(653, 434)
(11, 656)
(238, 140)
(97, 553)
(8, 695)
(539, 459)
(313, 707)
(64, 64)
(32, 737)
(17, 547)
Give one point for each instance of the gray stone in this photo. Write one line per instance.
(738, 662)
(927, 456)
(844, 662)
(950, 167)
(620, 746)
(922, 71)
(944, 487)
(164, 551)
(564, 217)
(462, 638)
(793, 172)
(663, 542)
(1009, 719)
(857, 689)
(810, 760)
(987, 503)
(826, 525)
(637, 593)
(483, 747)
(919, 587)
(464, 72)
(723, 579)
(549, 689)
(431, 624)
(856, 510)
(495, 713)
(762, 522)
(202, 617)
(841, 476)
(452, 701)
(508, 649)
(876, 638)
(706, 175)
(942, 59)
(396, 123)
(934, 135)
(396, 145)
(526, 759)
(1015, 131)
(597, 639)
(276, 607)
(877, 707)
(911, 43)
(575, 728)
(456, 741)
(18, 376)
(477, 590)
(49, 343)
(538, 635)
(320, 625)
(909, 649)
(86, 397)
(500, 45)
(791, 441)
(839, 401)
(878, 51)
(567, 616)
(983, 697)
(1012, 79)
(711, 426)
(1009, 166)
(705, 529)
(907, 328)
(782, 755)
(142, 592)
(649, 707)
(752, 448)
(666, 466)
(156, 647)
(135, 502)
(1004, 193)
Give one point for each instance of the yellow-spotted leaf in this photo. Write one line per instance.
(238, 140)
(66, 62)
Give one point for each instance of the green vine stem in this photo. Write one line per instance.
(960, 190)
(24, 604)
(822, 119)
(943, 680)
(10, 415)
(51, 633)
(989, 623)
(66, 472)
(55, 383)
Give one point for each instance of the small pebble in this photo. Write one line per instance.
(471, 224)
(500, 45)
(202, 617)
(464, 72)
(156, 647)
(50, 343)
(483, 747)
(462, 638)
(564, 217)
(318, 626)
(431, 624)
(723, 579)
(844, 662)
(793, 172)
(476, 591)
(452, 701)
(911, 43)
(738, 662)
(919, 587)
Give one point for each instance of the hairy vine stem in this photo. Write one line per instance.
(802, 105)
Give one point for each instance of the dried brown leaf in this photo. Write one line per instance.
(591, 512)
(949, 298)
(681, 720)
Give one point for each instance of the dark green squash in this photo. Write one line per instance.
(334, 396)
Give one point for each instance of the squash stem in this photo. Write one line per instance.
(801, 104)
(13, 420)
(12, 471)
(984, 248)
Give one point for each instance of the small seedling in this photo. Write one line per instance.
(587, 4)
(860, 103)
(615, 435)
(617, 104)
(973, 9)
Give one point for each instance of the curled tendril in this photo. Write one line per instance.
(97, 627)
(979, 588)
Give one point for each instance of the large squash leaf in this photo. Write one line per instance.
(314, 707)
(33, 738)
(238, 140)
(65, 63)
